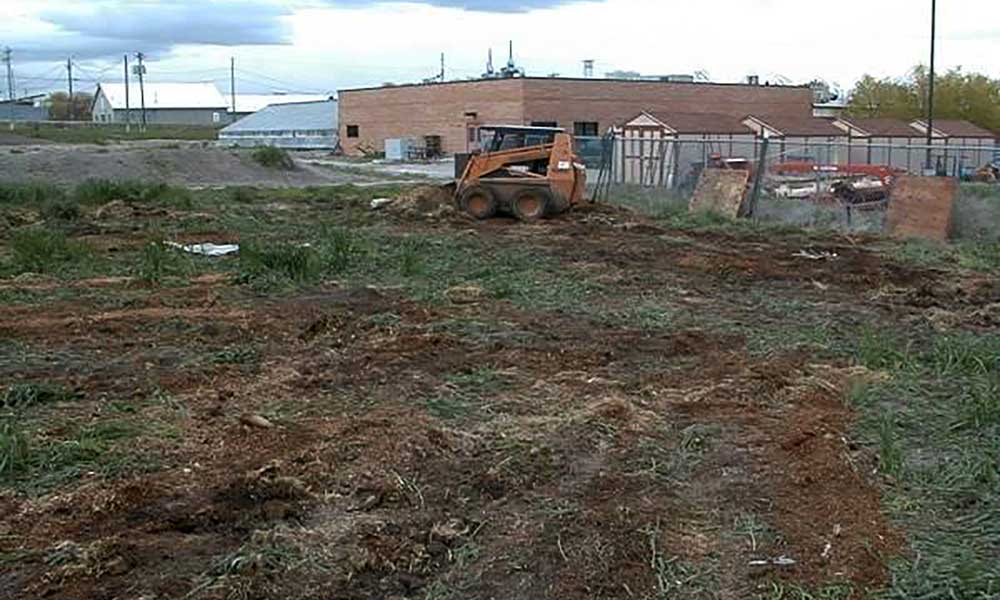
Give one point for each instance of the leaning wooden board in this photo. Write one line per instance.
(720, 191)
(921, 207)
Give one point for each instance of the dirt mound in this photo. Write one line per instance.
(425, 202)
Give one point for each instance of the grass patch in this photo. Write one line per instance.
(273, 158)
(23, 395)
(45, 463)
(158, 261)
(45, 251)
(24, 194)
(13, 448)
(101, 191)
(935, 428)
(104, 134)
(263, 265)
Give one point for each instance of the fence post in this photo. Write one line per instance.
(758, 179)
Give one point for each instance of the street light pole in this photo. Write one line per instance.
(930, 93)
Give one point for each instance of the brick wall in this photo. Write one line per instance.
(613, 102)
(415, 111)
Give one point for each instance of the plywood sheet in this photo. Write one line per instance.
(720, 191)
(921, 207)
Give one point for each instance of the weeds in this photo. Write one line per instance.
(102, 191)
(24, 194)
(273, 158)
(158, 261)
(270, 264)
(22, 395)
(13, 448)
(45, 251)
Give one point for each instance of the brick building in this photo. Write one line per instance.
(453, 110)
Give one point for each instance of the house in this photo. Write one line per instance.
(963, 144)
(247, 104)
(298, 126)
(165, 104)
(799, 138)
(27, 108)
(883, 141)
(660, 148)
(587, 107)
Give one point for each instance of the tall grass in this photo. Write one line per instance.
(273, 158)
(102, 191)
(46, 251)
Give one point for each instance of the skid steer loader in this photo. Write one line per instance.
(529, 172)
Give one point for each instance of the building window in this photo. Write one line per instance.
(352, 131)
(585, 128)
(216, 117)
(544, 124)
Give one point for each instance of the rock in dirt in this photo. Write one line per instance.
(266, 483)
(465, 294)
(449, 531)
(378, 203)
(256, 421)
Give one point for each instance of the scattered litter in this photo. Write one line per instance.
(378, 203)
(820, 285)
(821, 255)
(826, 550)
(207, 249)
(781, 561)
(256, 421)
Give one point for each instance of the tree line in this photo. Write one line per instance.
(973, 97)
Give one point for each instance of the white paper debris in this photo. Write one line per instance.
(207, 249)
(378, 203)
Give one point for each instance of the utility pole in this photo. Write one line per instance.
(69, 81)
(10, 85)
(232, 86)
(441, 76)
(141, 71)
(128, 109)
(930, 94)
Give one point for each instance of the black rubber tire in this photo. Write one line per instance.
(531, 204)
(478, 201)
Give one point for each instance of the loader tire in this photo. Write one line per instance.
(531, 204)
(478, 201)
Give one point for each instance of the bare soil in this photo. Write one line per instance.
(586, 458)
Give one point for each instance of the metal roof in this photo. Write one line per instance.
(286, 117)
(250, 103)
(165, 95)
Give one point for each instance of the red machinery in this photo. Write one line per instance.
(848, 182)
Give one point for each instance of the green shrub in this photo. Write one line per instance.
(273, 158)
(45, 251)
(337, 250)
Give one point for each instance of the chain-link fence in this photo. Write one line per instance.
(809, 183)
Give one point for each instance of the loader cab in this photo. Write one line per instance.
(496, 138)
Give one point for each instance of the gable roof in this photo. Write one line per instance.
(285, 117)
(249, 103)
(691, 123)
(794, 125)
(955, 128)
(877, 127)
(164, 95)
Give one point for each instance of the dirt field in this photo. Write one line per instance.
(176, 162)
(406, 404)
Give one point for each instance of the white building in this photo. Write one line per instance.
(165, 104)
(302, 126)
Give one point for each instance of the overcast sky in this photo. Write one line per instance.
(324, 45)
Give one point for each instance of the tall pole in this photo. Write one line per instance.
(232, 86)
(69, 82)
(142, 90)
(10, 85)
(930, 93)
(441, 77)
(128, 109)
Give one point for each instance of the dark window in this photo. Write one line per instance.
(544, 124)
(585, 128)
(352, 131)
